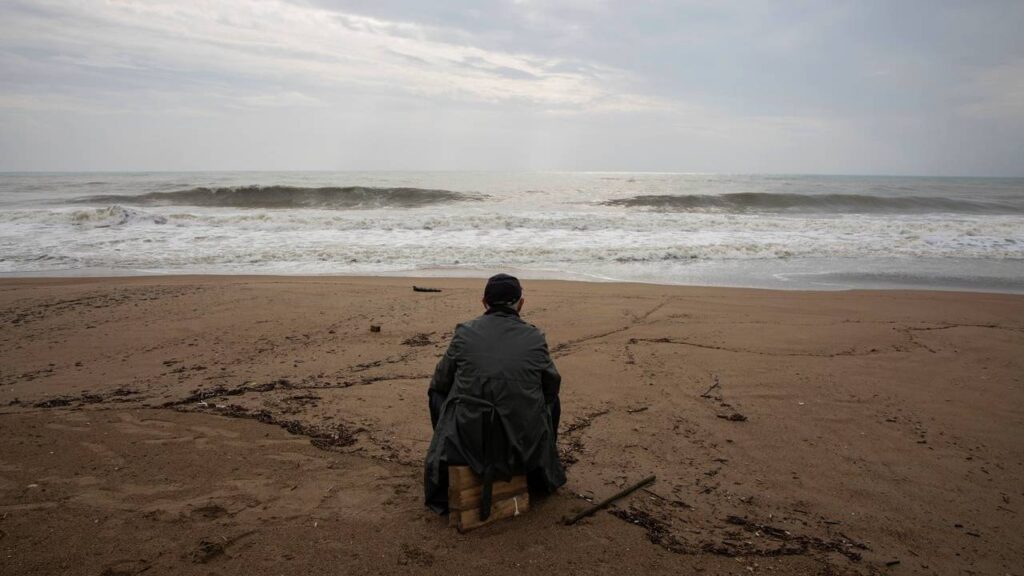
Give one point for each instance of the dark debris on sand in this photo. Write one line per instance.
(118, 395)
(201, 395)
(421, 339)
(325, 437)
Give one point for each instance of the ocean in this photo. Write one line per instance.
(761, 231)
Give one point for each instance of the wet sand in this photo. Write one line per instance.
(226, 425)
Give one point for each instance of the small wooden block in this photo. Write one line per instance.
(465, 489)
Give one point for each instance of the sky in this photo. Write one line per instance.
(860, 87)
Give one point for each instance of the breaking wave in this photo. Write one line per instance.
(747, 202)
(112, 216)
(329, 197)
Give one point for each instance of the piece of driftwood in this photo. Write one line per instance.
(707, 393)
(465, 490)
(604, 503)
(422, 289)
(374, 328)
(734, 417)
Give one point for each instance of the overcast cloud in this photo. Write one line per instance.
(908, 87)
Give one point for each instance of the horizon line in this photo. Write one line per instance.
(513, 171)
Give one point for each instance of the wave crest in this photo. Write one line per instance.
(744, 202)
(328, 197)
(114, 216)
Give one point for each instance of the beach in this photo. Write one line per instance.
(230, 424)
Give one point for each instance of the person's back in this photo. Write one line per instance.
(494, 399)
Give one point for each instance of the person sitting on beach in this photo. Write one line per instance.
(494, 401)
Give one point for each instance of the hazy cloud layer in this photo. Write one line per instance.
(859, 87)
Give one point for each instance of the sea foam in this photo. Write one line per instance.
(742, 230)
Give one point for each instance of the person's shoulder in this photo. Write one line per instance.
(471, 324)
(529, 326)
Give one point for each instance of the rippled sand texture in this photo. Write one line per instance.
(227, 425)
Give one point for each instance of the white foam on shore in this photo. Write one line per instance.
(565, 231)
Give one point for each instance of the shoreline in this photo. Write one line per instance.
(256, 421)
(792, 233)
(443, 274)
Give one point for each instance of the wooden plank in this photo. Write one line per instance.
(465, 520)
(470, 497)
(459, 477)
(462, 477)
(465, 490)
(465, 487)
(454, 485)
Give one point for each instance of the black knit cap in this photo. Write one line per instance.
(502, 288)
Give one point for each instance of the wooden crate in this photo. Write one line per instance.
(465, 489)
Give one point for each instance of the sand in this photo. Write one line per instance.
(228, 425)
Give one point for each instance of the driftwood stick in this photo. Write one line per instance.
(707, 393)
(423, 289)
(604, 503)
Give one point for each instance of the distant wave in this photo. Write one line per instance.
(746, 202)
(289, 197)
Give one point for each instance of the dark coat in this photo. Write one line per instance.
(498, 386)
